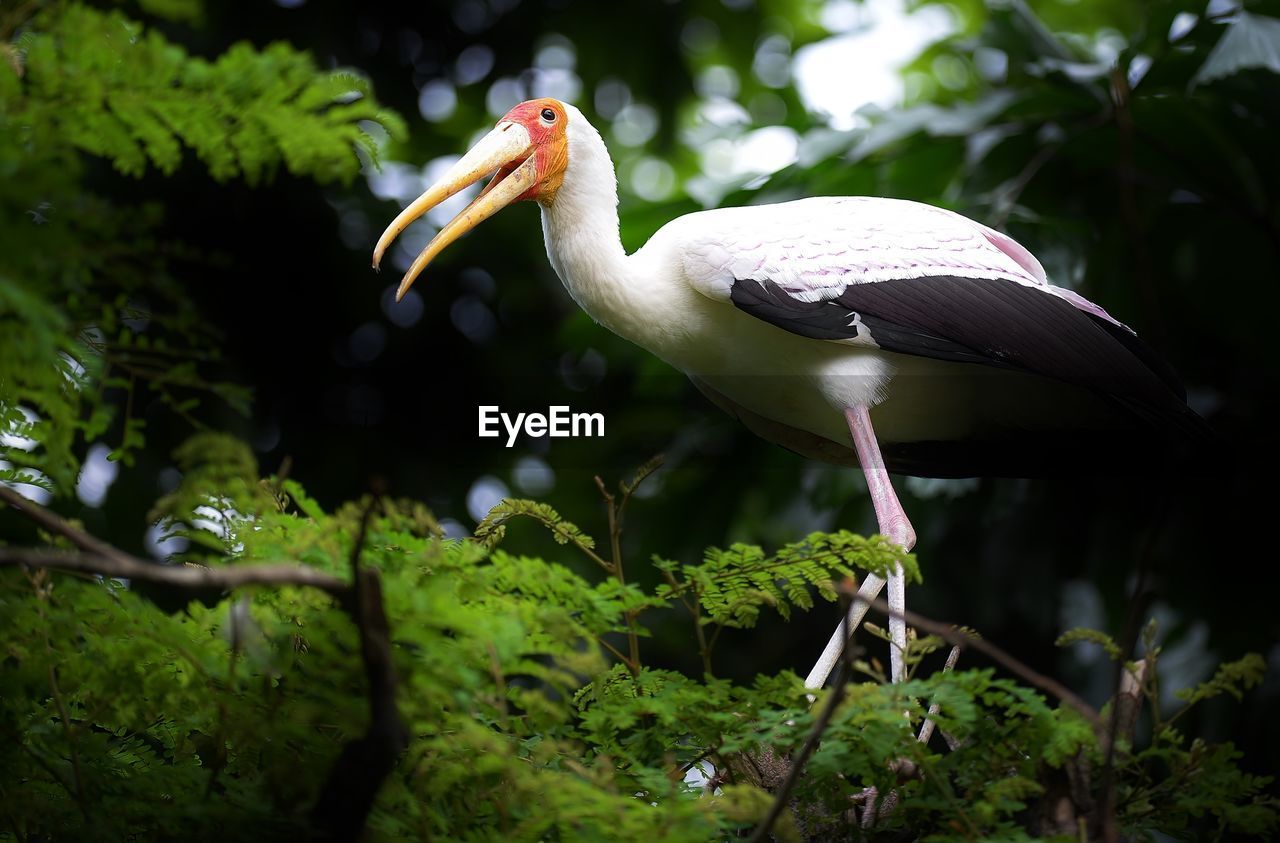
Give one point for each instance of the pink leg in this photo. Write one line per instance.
(893, 525)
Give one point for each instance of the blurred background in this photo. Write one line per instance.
(1130, 144)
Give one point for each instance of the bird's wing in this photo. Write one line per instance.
(914, 279)
(814, 248)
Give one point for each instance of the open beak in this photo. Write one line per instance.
(506, 145)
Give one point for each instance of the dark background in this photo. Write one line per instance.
(1160, 204)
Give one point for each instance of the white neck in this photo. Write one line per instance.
(580, 227)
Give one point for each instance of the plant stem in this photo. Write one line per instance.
(703, 649)
(953, 635)
(695, 610)
(615, 549)
(618, 654)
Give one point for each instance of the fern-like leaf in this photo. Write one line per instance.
(1232, 678)
(136, 98)
(733, 584)
(1090, 636)
(494, 526)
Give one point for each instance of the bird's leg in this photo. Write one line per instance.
(893, 525)
(870, 590)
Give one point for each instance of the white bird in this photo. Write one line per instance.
(932, 343)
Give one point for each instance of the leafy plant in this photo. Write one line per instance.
(127, 720)
(293, 660)
(91, 308)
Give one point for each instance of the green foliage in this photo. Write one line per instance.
(126, 720)
(1183, 788)
(984, 784)
(119, 719)
(219, 492)
(494, 525)
(133, 97)
(1232, 678)
(93, 316)
(40, 364)
(732, 585)
(1091, 636)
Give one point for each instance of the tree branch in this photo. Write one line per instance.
(355, 778)
(953, 635)
(53, 523)
(365, 762)
(121, 565)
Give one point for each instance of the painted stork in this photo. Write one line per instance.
(934, 343)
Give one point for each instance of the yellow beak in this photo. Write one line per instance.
(507, 143)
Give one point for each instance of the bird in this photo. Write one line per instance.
(881, 333)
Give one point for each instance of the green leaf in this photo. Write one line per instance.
(1090, 636)
(144, 100)
(491, 530)
(1232, 678)
(734, 584)
(302, 500)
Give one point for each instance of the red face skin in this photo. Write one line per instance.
(550, 146)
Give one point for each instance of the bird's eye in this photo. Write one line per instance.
(548, 115)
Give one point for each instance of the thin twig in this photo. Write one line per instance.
(615, 546)
(618, 654)
(121, 565)
(615, 528)
(704, 647)
(357, 548)
(594, 557)
(53, 523)
(642, 474)
(76, 788)
(952, 635)
(77, 774)
(694, 607)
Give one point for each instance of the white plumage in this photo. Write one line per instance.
(672, 297)
(814, 248)
(835, 326)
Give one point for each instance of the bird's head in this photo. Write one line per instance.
(527, 153)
